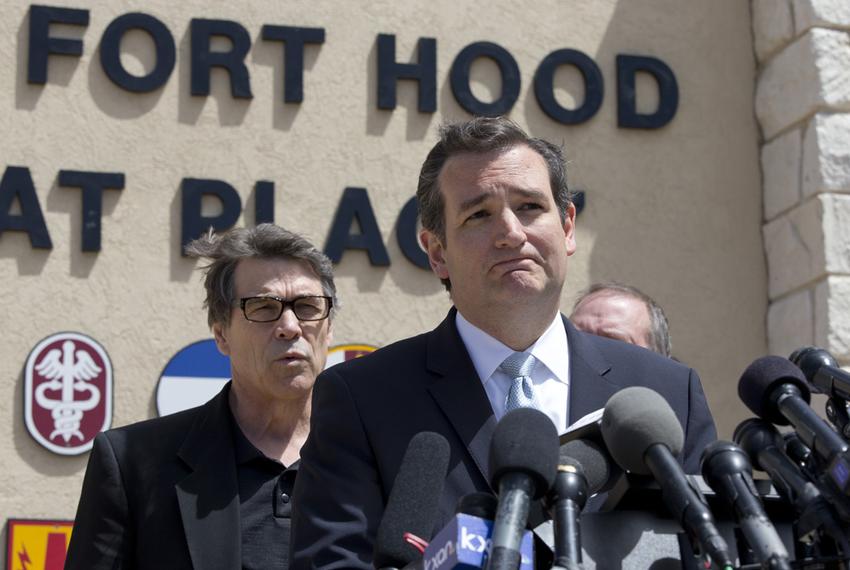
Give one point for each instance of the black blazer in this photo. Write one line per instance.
(365, 411)
(161, 494)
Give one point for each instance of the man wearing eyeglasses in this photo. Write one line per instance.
(210, 487)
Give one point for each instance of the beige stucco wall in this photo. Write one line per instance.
(675, 211)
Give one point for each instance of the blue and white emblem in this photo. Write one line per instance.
(192, 377)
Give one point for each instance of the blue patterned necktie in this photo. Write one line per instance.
(521, 392)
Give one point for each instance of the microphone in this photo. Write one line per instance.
(465, 542)
(823, 372)
(776, 390)
(523, 460)
(583, 470)
(728, 471)
(644, 436)
(411, 510)
(797, 451)
(479, 504)
(763, 443)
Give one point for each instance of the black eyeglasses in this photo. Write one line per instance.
(269, 308)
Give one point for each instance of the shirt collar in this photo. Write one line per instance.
(246, 452)
(487, 353)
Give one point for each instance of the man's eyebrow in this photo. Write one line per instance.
(528, 193)
(473, 202)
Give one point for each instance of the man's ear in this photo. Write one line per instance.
(220, 335)
(435, 250)
(570, 229)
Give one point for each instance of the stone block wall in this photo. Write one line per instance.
(802, 104)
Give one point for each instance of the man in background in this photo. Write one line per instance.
(622, 312)
(210, 487)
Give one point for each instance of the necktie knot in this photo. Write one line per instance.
(518, 365)
(521, 393)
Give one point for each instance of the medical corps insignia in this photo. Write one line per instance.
(67, 392)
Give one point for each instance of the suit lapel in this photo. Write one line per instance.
(209, 496)
(590, 385)
(459, 393)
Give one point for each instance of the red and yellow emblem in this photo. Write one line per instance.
(37, 544)
(343, 352)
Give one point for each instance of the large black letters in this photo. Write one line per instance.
(92, 185)
(424, 72)
(110, 52)
(17, 183)
(194, 223)
(42, 44)
(355, 205)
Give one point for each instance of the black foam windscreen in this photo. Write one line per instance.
(525, 440)
(591, 459)
(413, 501)
(763, 376)
(635, 419)
(479, 504)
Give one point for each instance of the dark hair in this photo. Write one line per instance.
(659, 330)
(265, 241)
(481, 135)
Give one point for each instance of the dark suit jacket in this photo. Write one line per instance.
(365, 411)
(161, 494)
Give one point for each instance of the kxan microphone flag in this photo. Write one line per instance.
(465, 543)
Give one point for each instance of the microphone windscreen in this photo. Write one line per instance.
(525, 440)
(479, 504)
(413, 501)
(591, 459)
(760, 379)
(635, 419)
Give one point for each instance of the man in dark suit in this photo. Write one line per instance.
(498, 227)
(209, 488)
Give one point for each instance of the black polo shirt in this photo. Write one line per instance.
(265, 505)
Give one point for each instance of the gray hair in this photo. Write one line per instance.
(265, 241)
(481, 135)
(659, 329)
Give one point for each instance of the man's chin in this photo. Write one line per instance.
(521, 282)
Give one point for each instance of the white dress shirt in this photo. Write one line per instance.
(551, 374)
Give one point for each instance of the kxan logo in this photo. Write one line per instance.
(465, 543)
